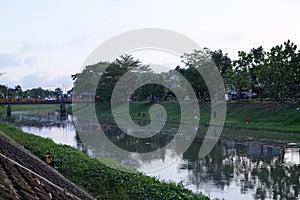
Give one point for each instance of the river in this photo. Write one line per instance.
(236, 168)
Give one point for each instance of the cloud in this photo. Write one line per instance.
(35, 47)
(9, 60)
(30, 60)
(165, 67)
(14, 60)
(46, 81)
(233, 37)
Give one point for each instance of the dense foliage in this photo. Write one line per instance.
(272, 75)
(39, 92)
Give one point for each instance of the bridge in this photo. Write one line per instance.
(22, 101)
(38, 101)
(35, 102)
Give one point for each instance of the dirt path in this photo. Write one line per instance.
(24, 176)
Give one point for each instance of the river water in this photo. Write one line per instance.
(236, 168)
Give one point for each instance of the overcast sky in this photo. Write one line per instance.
(43, 42)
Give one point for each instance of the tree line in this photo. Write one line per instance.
(39, 92)
(272, 74)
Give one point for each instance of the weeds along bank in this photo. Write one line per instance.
(95, 177)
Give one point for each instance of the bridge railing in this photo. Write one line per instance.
(24, 100)
(43, 100)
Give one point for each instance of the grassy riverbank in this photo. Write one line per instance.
(263, 116)
(95, 177)
(35, 109)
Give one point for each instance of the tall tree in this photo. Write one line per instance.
(125, 64)
(222, 61)
(241, 75)
(196, 81)
(130, 64)
(195, 61)
(258, 56)
(246, 73)
(3, 90)
(282, 69)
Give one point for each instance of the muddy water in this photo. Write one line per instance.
(236, 168)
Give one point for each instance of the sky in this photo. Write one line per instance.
(43, 42)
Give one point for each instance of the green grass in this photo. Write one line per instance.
(97, 178)
(263, 116)
(35, 109)
(139, 111)
(2, 109)
(246, 134)
(116, 165)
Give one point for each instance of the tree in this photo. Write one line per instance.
(108, 80)
(257, 66)
(206, 62)
(246, 73)
(282, 68)
(222, 61)
(241, 76)
(3, 90)
(151, 90)
(87, 80)
(18, 90)
(58, 92)
(126, 64)
(130, 64)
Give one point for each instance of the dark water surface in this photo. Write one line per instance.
(236, 168)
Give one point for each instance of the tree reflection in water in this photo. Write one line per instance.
(257, 168)
(266, 170)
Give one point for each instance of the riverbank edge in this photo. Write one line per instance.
(95, 177)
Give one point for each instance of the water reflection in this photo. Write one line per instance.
(256, 168)
(47, 125)
(291, 156)
(236, 168)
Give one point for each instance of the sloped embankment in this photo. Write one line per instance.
(24, 176)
